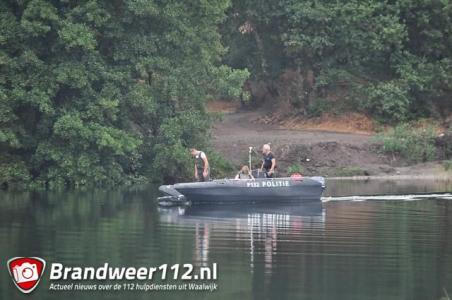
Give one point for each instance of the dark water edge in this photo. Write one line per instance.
(396, 185)
(395, 243)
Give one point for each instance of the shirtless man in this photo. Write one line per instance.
(202, 170)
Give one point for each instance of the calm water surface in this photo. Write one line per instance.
(359, 243)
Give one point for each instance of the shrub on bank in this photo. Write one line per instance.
(295, 168)
(388, 101)
(411, 143)
(13, 173)
(447, 164)
(219, 166)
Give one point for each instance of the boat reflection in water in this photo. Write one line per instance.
(256, 229)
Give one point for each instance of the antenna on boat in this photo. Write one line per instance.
(249, 156)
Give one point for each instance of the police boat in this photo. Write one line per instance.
(259, 190)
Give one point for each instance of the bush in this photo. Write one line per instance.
(13, 173)
(414, 144)
(447, 164)
(389, 101)
(448, 145)
(295, 168)
(219, 167)
(319, 107)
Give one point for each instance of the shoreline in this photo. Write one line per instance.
(318, 152)
(394, 177)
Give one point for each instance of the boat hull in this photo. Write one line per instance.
(251, 191)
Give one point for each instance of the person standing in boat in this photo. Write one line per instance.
(202, 170)
(268, 161)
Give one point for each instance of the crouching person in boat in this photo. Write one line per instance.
(268, 161)
(244, 173)
(202, 170)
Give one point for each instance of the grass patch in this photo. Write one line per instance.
(348, 171)
(413, 144)
(447, 164)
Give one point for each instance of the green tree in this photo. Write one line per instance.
(106, 92)
(393, 58)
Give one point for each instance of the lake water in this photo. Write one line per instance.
(378, 239)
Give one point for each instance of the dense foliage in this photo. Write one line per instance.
(392, 59)
(113, 91)
(107, 91)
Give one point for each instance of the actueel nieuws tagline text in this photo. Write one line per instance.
(141, 287)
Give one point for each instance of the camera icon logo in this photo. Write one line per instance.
(26, 272)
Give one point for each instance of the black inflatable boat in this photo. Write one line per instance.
(260, 190)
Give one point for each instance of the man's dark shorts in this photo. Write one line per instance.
(202, 178)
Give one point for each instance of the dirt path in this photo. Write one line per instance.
(238, 128)
(318, 152)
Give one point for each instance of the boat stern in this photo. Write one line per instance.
(172, 196)
(320, 179)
